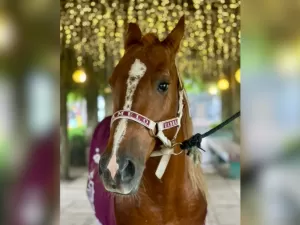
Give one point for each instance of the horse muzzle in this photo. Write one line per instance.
(120, 175)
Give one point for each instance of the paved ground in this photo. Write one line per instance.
(224, 202)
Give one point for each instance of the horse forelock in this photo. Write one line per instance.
(150, 39)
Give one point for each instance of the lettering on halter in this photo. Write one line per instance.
(120, 113)
(170, 124)
(132, 115)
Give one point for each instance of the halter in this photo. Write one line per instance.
(156, 130)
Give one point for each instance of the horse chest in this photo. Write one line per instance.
(137, 212)
(148, 213)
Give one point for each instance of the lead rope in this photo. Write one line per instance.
(191, 145)
(195, 141)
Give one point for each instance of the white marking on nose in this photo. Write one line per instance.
(113, 166)
(136, 72)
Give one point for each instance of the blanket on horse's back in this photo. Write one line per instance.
(102, 202)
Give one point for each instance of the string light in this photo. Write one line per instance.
(238, 75)
(97, 28)
(223, 84)
(79, 76)
(107, 90)
(212, 90)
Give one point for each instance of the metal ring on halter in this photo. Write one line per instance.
(174, 144)
(153, 133)
(177, 153)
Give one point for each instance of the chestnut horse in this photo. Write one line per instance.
(151, 180)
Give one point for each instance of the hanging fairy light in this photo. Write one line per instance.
(79, 76)
(238, 75)
(97, 28)
(107, 90)
(223, 84)
(212, 90)
(8, 33)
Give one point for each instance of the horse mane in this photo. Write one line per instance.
(195, 172)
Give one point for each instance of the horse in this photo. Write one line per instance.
(143, 175)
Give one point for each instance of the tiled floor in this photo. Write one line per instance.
(224, 202)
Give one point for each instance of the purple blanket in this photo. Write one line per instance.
(102, 202)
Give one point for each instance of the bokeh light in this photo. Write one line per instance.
(79, 76)
(96, 29)
(8, 33)
(223, 84)
(213, 90)
(238, 75)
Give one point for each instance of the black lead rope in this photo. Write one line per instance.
(195, 140)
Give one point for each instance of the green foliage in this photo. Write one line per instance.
(74, 96)
(292, 145)
(4, 153)
(78, 145)
(78, 131)
(257, 52)
(194, 86)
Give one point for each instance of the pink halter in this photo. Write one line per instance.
(156, 128)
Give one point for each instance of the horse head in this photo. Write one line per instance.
(146, 82)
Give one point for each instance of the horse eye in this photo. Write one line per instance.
(163, 87)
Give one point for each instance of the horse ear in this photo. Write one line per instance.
(133, 35)
(173, 40)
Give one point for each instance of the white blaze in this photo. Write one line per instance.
(137, 71)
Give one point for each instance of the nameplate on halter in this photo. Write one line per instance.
(132, 116)
(170, 124)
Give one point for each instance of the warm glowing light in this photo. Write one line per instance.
(97, 28)
(7, 31)
(213, 90)
(107, 90)
(79, 76)
(238, 75)
(288, 60)
(223, 84)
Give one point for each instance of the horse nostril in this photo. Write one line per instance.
(124, 165)
(127, 171)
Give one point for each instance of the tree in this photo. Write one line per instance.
(67, 66)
